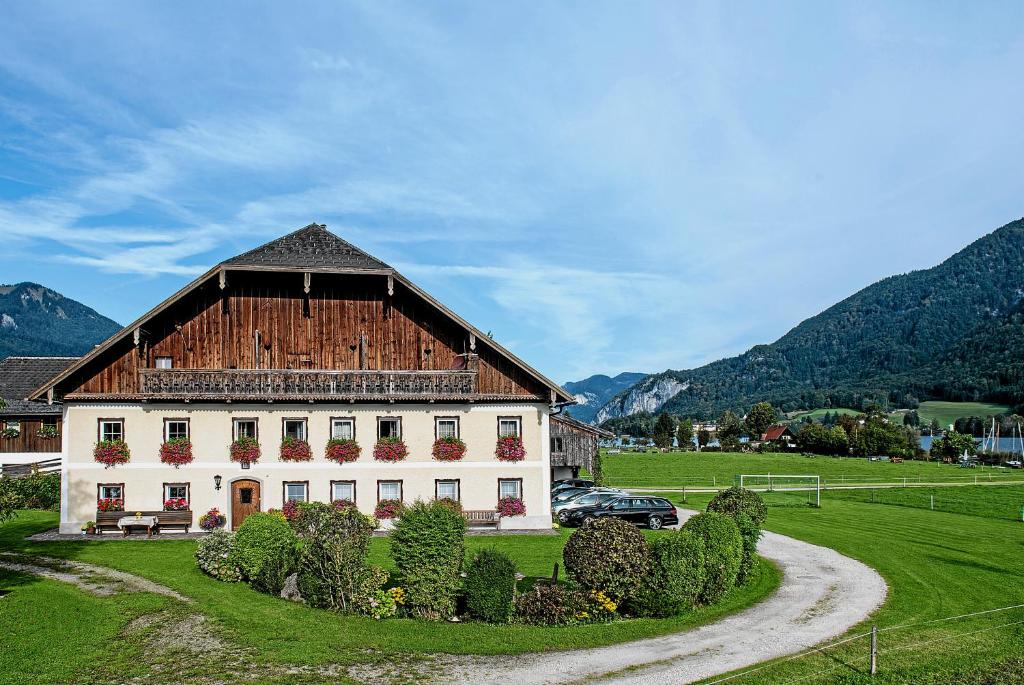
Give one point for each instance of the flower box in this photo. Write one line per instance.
(388, 509)
(10, 433)
(449, 449)
(47, 432)
(245, 450)
(342, 450)
(293, 449)
(111, 452)
(510, 448)
(511, 506)
(110, 504)
(176, 451)
(176, 504)
(390, 449)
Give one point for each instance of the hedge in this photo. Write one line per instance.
(428, 548)
(265, 551)
(490, 586)
(678, 574)
(722, 548)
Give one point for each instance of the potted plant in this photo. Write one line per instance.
(387, 511)
(89, 528)
(390, 449)
(176, 451)
(449, 448)
(510, 448)
(111, 452)
(47, 431)
(293, 449)
(212, 520)
(342, 450)
(110, 504)
(245, 450)
(176, 504)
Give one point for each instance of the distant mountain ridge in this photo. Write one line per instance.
(38, 322)
(897, 340)
(592, 393)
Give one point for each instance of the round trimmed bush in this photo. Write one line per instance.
(722, 548)
(749, 511)
(609, 555)
(265, 551)
(677, 576)
(490, 586)
(428, 547)
(212, 554)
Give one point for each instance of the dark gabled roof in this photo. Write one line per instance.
(19, 376)
(573, 424)
(312, 247)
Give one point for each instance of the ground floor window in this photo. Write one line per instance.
(389, 489)
(296, 491)
(110, 491)
(176, 491)
(510, 487)
(343, 428)
(446, 489)
(343, 489)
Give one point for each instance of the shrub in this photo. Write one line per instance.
(550, 605)
(371, 599)
(212, 519)
(722, 548)
(490, 586)
(607, 554)
(265, 551)
(212, 554)
(176, 451)
(332, 562)
(35, 491)
(452, 504)
(428, 547)
(676, 577)
(390, 449)
(245, 450)
(510, 448)
(111, 452)
(511, 506)
(293, 449)
(342, 450)
(749, 511)
(448, 449)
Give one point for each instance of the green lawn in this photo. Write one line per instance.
(817, 414)
(948, 412)
(270, 625)
(704, 469)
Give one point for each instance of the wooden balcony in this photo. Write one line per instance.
(292, 384)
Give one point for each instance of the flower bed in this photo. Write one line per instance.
(449, 449)
(176, 451)
(245, 450)
(176, 504)
(110, 504)
(388, 509)
(510, 448)
(342, 450)
(511, 506)
(212, 520)
(390, 449)
(293, 449)
(111, 452)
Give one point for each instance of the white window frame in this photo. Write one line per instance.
(169, 486)
(397, 420)
(104, 423)
(302, 433)
(453, 481)
(347, 483)
(167, 429)
(446, 420)
(235, 423)
(287, 491)
(518, 487)
(515, 421)
(163, 362)
(380, 489)
(105, 495)
(338, 423)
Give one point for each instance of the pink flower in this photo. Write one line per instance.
(293, 449)
(510, 448)
(111, 452)
(511, 506)
(388, 509)
(176, 451)
(245, 450)
(342, 450)
(390, 449)
(449, 449)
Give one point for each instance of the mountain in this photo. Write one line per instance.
(592, 393)
(885, 343)
(38, 322)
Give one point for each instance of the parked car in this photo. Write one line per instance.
(584, 499)
(563, 495)
(653, 512)
(571, 483)
(1015, 464)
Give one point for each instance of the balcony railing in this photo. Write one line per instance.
(220, 384)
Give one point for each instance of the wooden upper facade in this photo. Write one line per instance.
(309, 317)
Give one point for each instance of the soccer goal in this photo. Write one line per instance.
(787, 490)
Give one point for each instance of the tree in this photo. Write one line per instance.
(703, 438)
(729, 431)
(911, 419)
(684, 434)
(954, 444)
(760, 416)
(664, 430)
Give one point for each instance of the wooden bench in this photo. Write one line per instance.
(896, 460)
(481, 516)
(165, 519)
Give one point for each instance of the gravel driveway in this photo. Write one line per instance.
(822, 595)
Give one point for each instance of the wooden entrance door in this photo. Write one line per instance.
(245, 499)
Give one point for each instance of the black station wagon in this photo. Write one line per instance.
(653, 512)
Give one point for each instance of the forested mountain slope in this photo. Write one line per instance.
(38, 322)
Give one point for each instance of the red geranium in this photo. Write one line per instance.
(449, 449)
(290, 510)
(342, 450)
(510, 448)
(343, 504)
(390, 449)
(245, 450)
(176, 451)
(110, 504)
(511, 506)
(388, 509)
(293, 449)
(111, 452)
(176, 504)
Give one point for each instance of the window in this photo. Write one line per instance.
(110, 491)
(388, 427)
(293, 428)
(343, 428)
(175, 428)
(389, 489)
(556, 445)
(245, 495)
(510, 487)
(296, 491)
(245, 428)
(164, 363)
(111, 429)
(446, 427)
(12, 425)
(343, 489)
(446, 489)
(621, 504)
(175, 491)
(510, 425)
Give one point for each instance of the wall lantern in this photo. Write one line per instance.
(216, 482)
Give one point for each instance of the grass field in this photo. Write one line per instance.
(817, 414)
(948, 412)
(267, 624)
(705, 469)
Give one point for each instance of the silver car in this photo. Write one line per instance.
(562, 508)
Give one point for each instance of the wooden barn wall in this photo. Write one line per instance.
(214, 329)
(578, 446)
(28, 440)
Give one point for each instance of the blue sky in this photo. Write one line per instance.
(604, 186)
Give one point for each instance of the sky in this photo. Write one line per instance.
(605, 187)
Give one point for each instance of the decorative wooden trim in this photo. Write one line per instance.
(458, 487)
(305, 425)
(401, 488)
(458, 428)
(330, 426)
(100, 486)
(390, 418)
(517, 419)
(188, 492)
(99, 428)
(330, 492)
(284, 489)
(510, 479)
(234, 426)
(186, 421)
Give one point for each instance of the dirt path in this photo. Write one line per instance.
(822, 595)
(98, 580)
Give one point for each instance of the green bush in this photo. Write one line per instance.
(676, 578)
(609, 555)
(490, 586)
(428, 548)
(35, 491)
(749, 511)
(550, 605)
(332, 558)
(370, 598)
(265, 551)
(212, 555)
(722, 549)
